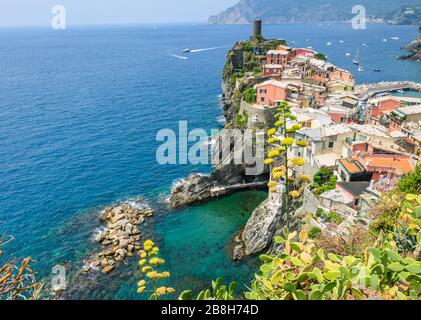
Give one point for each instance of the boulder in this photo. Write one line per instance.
(107, 269)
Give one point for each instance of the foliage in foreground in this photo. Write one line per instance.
(17, 279)
(304, 272)
(218, 292)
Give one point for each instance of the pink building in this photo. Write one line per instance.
(272, 70)
(341, 75)
(303, 52)
(272, 91)
(279, 57)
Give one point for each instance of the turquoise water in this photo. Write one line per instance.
(79, 112)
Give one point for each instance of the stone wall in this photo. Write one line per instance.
(258, 115)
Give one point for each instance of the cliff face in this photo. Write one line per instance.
(240, 60)
(405, 15)
(301, 11)
(414, 49)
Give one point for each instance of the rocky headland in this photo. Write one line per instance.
(414, 49)
(241, 71)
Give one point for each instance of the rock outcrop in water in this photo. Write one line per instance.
(120, 238)
(414, 49)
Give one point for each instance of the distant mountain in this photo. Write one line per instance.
(287, 11)
(405, 15)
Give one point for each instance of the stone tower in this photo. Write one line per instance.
(257, 30)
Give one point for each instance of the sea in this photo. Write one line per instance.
(79, 113)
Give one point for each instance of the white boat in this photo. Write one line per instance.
(394, 38)
(186, 50)
(341, 41)
(329, 43)
(347, 54)
(357, 57)
(360, 68)
(384, 40)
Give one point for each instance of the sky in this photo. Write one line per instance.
(38, 12)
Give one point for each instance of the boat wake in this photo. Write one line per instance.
(205, 49)
(178, 57)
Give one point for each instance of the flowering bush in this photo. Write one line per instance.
(149, 263)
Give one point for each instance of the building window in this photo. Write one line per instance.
(356, 202)
(262, 99)
(342, 119)
(331, 144)
(263, 91)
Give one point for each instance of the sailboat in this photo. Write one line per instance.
(360, 68)
(357, 58)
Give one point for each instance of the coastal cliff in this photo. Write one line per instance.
(242, 70)
(414, 49)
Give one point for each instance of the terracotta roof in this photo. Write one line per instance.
(350, 166)
(402, 164)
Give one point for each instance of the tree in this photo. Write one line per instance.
(320, 56)
(283, 169)
(249, 95)
(411, 183)
(17, 279)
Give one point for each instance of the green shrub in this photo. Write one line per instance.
(249, 95)
(314, 232)
(411, 183)
(334, 217)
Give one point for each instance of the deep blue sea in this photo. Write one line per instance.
(79, 113)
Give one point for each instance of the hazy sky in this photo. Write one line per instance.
(38, 12)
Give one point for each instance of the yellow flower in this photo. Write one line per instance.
(141, 283)
(148, 244)
(166, 274)
(155, 261)
(272, 140)
(296, 127)
(277, 174)
(281, 149)
(146, 269)
(271, 132)
(273, 190)
(152, 274)
(278, 169)
(298, 161)
(143, 254)
(161, 290)
(279, 123)
(288, 142)
(273, 154)
(170, 290)
(301, 143)
(272, 184)
(304, 178)
(140, 289)
(295, 194)
(142, 262)
(268, 161)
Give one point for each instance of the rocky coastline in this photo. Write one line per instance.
(414, 49)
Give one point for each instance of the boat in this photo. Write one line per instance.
(347, 54)
(360, 68)
(394, 38)
(186, 50)
(357, 58)
(329, 43)
(377, 70)
(341, 41)
(400, 91)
